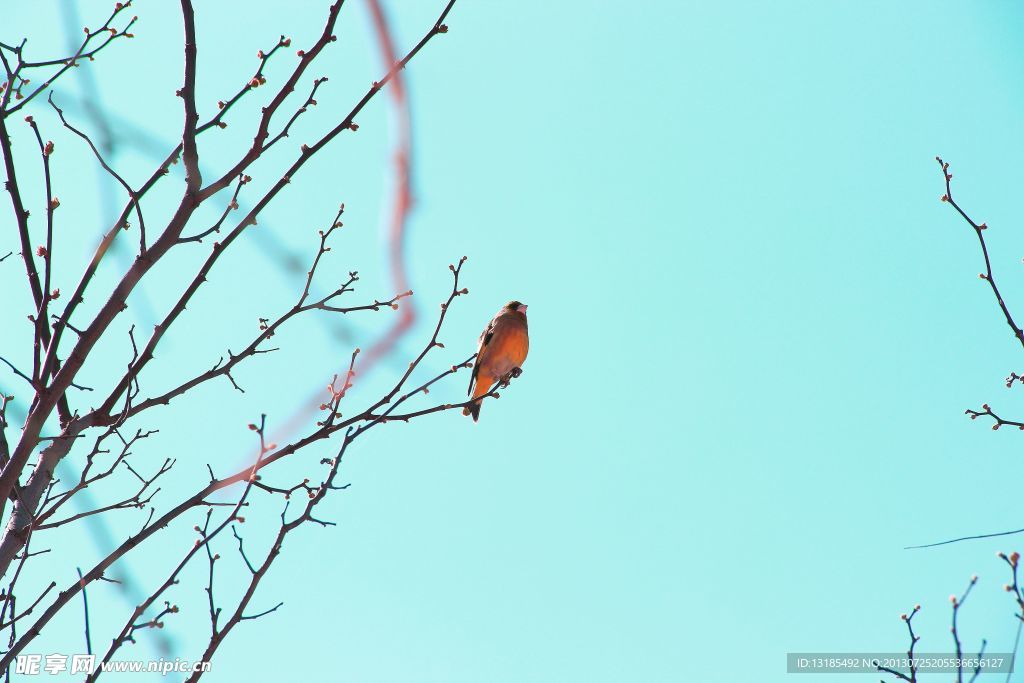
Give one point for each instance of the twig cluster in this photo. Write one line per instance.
(1012, 560)
(63, 339)
(914, 665)
(989, 277)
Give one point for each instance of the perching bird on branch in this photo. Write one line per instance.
(503, 348)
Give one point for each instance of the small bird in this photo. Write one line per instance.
(503, 348)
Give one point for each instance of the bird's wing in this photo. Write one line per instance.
(485, 339)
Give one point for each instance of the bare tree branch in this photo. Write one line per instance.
(979, 229)
(361, 422)
(40, 499)
(91, 334)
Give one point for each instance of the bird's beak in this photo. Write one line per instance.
(522, 309)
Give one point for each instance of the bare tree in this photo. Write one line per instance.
(1011, 560)
(63, 340)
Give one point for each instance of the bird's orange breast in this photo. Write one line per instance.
(512, 346)
(507, 349)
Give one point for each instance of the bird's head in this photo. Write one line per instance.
(516, 306)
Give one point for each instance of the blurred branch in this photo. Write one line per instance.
(401, 209)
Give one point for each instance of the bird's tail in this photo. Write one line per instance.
(473, 410)
(479, 390)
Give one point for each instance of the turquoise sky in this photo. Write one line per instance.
(755, 330)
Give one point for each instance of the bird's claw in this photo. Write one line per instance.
(508, 377)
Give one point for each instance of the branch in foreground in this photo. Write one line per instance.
(91, 334)
(15, 83)
(238, 615)
(363, 421)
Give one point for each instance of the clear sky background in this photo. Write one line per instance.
(754, 330)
